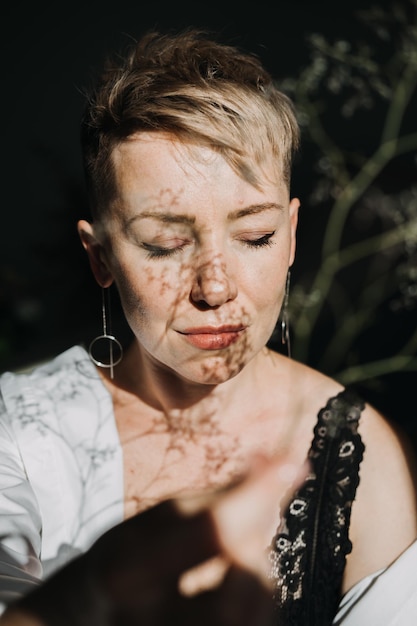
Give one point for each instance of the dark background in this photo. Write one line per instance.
(50, 51)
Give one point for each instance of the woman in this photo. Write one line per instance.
(187, 147)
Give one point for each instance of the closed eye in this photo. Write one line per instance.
(157, 252)
(261, 242)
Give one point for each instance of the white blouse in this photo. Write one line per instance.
(61, 485)
(387, 598)
(61, 468)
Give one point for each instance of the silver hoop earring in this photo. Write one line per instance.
(285, 326)
(115, 350)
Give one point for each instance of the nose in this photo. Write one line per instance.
(213, 284)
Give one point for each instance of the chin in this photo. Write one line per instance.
(215, 372)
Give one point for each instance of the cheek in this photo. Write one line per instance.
(150, 293)
(268, 295)
(269, 277)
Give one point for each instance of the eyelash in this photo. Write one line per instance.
(158, 253)
(263, 241)
(155, 252)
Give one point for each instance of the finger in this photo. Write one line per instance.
(240, 600)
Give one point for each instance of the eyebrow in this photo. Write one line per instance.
(167, 218)
(178, 218)
(253, 209)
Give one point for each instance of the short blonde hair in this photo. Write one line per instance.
(196, 89)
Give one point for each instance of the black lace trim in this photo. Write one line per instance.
(308, 554)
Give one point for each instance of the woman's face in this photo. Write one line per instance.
(199, 256)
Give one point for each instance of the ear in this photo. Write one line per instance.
(293, 208)
(96, 253)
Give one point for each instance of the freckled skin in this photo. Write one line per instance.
(183, 257)
(194, 248)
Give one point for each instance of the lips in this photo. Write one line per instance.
(213, 338)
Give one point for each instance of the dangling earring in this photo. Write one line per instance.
(285, 327)
(115, 347)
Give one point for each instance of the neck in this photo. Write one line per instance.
(163, 389)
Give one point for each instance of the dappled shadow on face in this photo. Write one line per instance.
(181, 441)
(201, 297)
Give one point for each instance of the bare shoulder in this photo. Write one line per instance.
(308, 387)
(389, 455)
(301, 392)
(384, 514)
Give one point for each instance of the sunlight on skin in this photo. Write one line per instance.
(187, 255)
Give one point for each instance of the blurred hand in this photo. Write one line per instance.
(187, 561)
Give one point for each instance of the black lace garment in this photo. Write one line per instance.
(308, 554)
